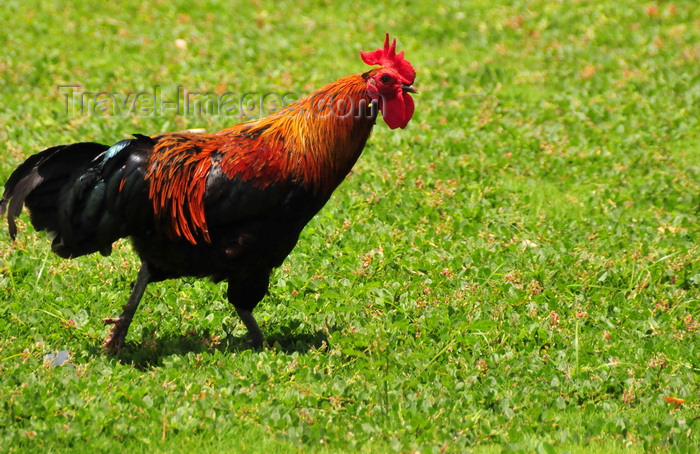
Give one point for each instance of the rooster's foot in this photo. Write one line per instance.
(116, 338)
(258, 344)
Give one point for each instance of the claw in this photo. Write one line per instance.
(114, 342)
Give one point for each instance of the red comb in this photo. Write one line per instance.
(388, 58)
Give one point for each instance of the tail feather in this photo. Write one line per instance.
(65, 189)
(16, 198)
(26, 167)
(54, 166)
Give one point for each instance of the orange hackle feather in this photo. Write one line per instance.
(312, 142)
(177, 173)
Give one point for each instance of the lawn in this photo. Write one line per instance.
(516, 271)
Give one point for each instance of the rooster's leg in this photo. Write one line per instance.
(245, 293)
(115, 340)
(256, 336)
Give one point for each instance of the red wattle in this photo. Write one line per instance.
(398, 110)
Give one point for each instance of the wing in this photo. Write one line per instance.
(201, 185)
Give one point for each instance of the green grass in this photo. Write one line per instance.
(516, 271)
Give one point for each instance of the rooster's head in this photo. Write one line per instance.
(391, 83)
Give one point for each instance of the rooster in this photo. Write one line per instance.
(228, 205)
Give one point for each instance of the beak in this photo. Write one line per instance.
(409, 89)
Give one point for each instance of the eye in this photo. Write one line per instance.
(385, 79)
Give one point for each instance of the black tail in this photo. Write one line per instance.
(66, 189)
(38, 182)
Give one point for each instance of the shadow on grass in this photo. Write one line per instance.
(150, 351)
